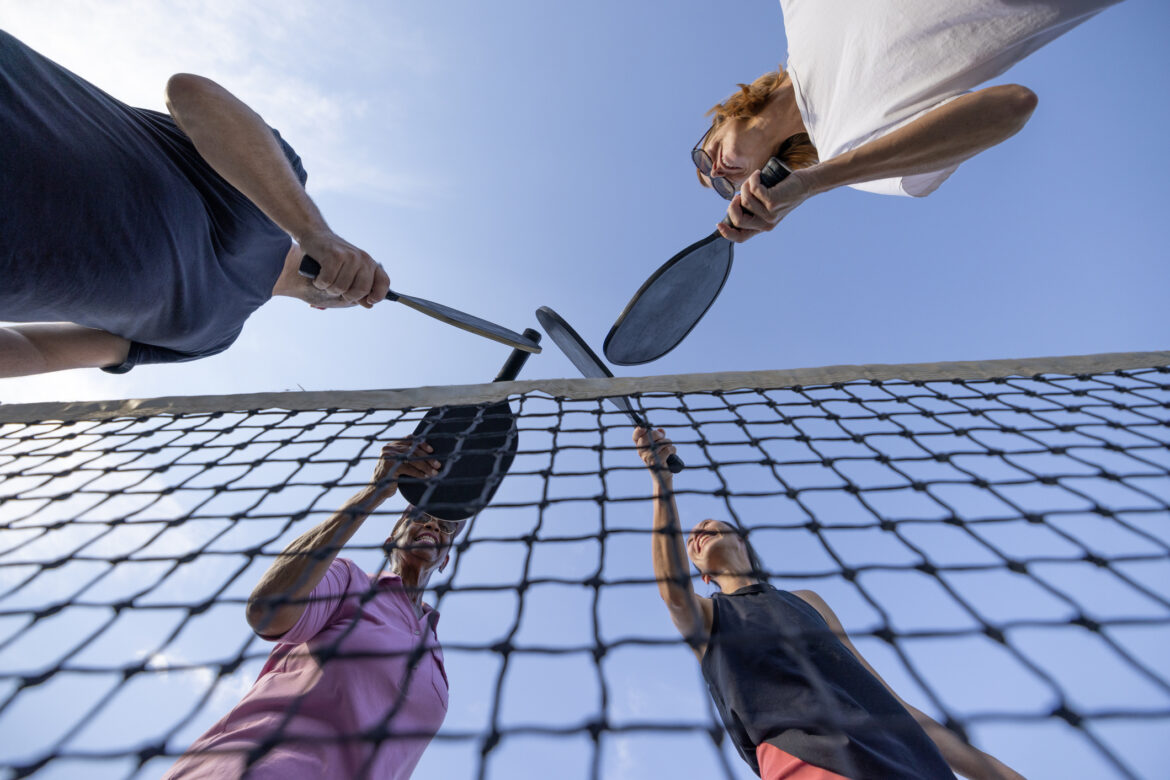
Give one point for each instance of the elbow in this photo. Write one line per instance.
(255, 613)
(263, 618)
(1013, 107)
(186, 89)
(1023, 102)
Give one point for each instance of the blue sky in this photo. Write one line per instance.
(498, 157)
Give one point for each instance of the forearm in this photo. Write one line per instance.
(280, 597)
(667, 548)
(239, 145)
(40, 348)
(941, 138)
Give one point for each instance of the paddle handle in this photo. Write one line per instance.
(517, 359)
(774, 172)
(673, 462)
(310, 268)
(771, 174)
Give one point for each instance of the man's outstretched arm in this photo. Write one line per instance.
(237, 143)
(279, 599)
(946, 136)
(57, 346)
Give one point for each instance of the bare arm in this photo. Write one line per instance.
(939, 139)
(57, 346)
(690, 612)
(236, 142)
(962, 757)
(279, 599)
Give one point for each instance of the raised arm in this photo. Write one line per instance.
(279, 599)
(946, 136)
(962, 757)
(57, 346)
(690, 612)
(236, 142)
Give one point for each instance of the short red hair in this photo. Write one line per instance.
(795, 152)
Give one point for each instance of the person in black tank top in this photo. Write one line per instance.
(795, 696)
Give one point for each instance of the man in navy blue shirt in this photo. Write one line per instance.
(131, 236)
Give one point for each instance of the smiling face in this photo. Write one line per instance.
(420, 541)
(714, 547)
(736, 148)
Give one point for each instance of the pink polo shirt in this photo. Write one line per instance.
(318, 708)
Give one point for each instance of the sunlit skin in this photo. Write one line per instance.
(715, 549)
(418, 548)
(291, 284)
(720, 554)
(945, 136)
(739, 147)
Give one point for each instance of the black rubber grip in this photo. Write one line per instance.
(774, 172)
(517, 359)
(309, 267)
(771, 174)
(675, 464)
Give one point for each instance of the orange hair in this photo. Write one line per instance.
(795, 152)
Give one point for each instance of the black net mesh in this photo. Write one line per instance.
(999, 549)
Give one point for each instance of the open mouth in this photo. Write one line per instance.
(425, 537)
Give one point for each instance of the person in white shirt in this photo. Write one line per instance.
(879, 95)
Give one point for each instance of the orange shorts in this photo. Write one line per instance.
(775, 764)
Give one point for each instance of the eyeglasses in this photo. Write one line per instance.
(448, 527)
(702, 161)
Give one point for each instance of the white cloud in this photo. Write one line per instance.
(307, 67)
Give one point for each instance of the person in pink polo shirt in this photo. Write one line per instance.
(355, 687)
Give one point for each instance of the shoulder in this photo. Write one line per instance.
(813, 599)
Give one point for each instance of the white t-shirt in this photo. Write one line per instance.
(863, 68)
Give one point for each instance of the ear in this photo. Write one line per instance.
(706, 579)
(443, 565)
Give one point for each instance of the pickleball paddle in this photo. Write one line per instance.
(676, 296)
(587, 362)
(470, 323)
(475, 445)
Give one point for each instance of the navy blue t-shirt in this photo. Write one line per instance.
(110, 218)
(778, 674)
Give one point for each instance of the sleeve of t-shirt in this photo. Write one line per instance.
(342, 577)
(146, 353)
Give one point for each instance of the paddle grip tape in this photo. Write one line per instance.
(674, 462)
(771, 174)
(517, 359)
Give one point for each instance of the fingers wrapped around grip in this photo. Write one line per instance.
(653, 447)
(343, 270)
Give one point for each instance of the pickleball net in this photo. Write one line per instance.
(995, 536)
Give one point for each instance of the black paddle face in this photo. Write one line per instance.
(476, 446)
(587, 362)
(670, 303)
(673, 300)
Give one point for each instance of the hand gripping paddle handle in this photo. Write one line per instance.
(771, 174)
(311, 268)
(673, 461)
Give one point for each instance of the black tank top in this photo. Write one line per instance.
(779, 675)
